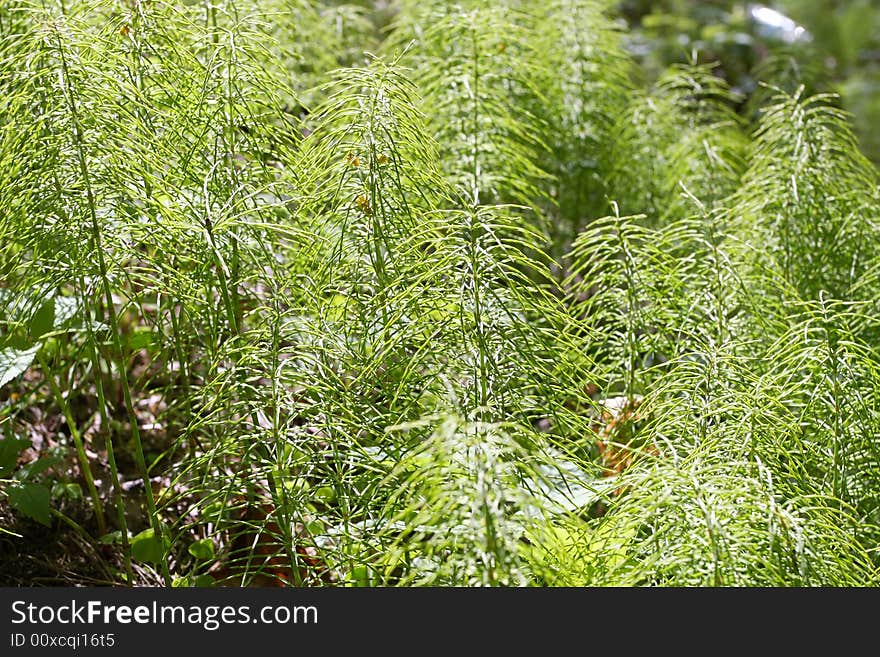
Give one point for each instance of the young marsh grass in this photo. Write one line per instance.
(376, 286)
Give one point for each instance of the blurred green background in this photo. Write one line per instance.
(827, 45)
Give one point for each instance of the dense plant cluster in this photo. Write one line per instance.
(822, 44)
(475, 308)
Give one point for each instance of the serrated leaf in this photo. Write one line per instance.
(32, 500)
(10, 448)
(203, 549)
(43, 320)
(65, 309)
(14, 362)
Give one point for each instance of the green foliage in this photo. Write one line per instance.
(827, 47)
(682, 136)
(147, 546)
(586, 82)
(809, 198)
(396, 333)
(30, 499)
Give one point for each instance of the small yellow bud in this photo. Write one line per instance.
(363, 204)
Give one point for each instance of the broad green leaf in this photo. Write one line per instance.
(326, 494)
(147, 547)
(111, 538)
(10, 448)
(203, 549)
(336, 308)
(36, 467)
(53, 311)
(362, 575)
(139, 338)
(71, 491)
(213, 512)
(204, 581)
(43, 320)
(189, 581)
(32, 500)
(14, 362)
